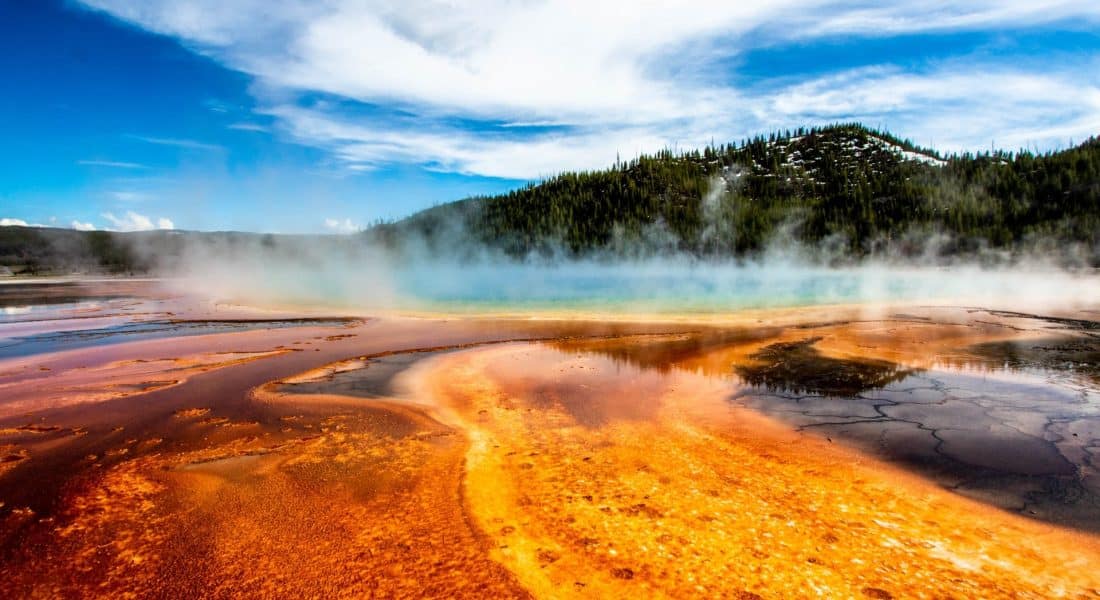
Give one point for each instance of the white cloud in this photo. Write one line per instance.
(522, 89)
(884, 18)
(12, 222)
(77, 225)
(454, 149)
(953, 107)
(133, 221)
(111, 163)
(178, 143)
(342, 227)
(245, 126)
(128, 196)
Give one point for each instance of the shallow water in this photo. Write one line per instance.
(602, 475)
(1021, 435)
(1021, 442)
(45, 308)
(666, 287)
(57, 341)
(692, 288)
(38, 318)
(826, 452)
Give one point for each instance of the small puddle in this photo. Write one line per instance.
(56, 341)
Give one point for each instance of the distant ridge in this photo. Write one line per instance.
(863, 191)
(845, 191)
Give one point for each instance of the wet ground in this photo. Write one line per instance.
(596, 477)
(38, 295)
(917, 452)
(73, 339)
(1012, 422)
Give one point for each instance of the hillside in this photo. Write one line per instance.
(858, 190)
(845, 192)
(55, 251)
(47, 250)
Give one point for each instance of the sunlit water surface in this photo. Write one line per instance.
(705, 288)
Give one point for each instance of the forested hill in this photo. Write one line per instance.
(843, 192)
(857, 190)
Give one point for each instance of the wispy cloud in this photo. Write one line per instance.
(114, 164)
(13, 222)
(341, 227)
(898, 17)
(245, 126)
(955, 106)
(454, 149)
(178, 143)
(132, 221)
(128, 196)
(522, 89)
(215, 105)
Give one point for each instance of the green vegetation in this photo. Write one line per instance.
(846, 186)
(847, 189)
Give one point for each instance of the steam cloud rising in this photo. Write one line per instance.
(352, 273)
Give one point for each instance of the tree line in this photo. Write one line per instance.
(856, 188)
(853, 190)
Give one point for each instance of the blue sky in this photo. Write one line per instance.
(295, 116)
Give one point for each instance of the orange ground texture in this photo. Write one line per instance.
(518, 458)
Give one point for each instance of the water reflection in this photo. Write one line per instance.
(36, 294)
(56, 341)
(49, 310)
(1014, 440)
(1013, 423)
(1073, 356)
(800, 368)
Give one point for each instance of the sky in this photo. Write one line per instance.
(308, 116)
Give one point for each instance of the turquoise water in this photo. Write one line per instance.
(709, 288)
(643, 287)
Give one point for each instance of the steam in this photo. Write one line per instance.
(277, 272)
(642, 271)
(349, 274)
